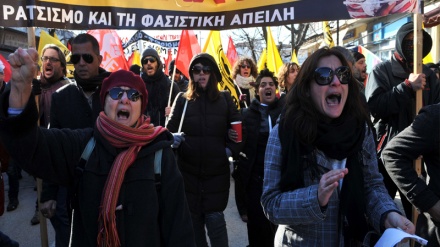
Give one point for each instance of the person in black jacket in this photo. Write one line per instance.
(159, 86)
(118, 203)
(258, 121)
(421, 138)
(75, 106)
(391, 95)
(204, 114)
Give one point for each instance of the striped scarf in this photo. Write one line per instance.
(133, 139)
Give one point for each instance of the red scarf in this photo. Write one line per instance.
(133, 139)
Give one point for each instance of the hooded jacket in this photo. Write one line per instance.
(391, 101)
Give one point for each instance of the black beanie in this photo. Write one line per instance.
(150, 52)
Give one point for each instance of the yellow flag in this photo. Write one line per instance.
(213, 46)
(45, 39)
(273, 60)
(135, 58)
(327, 34)
(294, 58)
(262, 62)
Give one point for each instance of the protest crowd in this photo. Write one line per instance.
(143, 155)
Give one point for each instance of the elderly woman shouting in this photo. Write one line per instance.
(118, 202)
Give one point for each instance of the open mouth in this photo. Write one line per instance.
(123, 114)
(333, 99)
(268, 93)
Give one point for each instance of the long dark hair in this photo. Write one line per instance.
(301, 114)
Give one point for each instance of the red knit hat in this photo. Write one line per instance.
(124, 78)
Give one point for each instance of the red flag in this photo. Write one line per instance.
(168, 61)
(232, 52)
(7, 72)
(113, 58)
(188, 47)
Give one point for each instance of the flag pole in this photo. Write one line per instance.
(418, 68)
(43, 223)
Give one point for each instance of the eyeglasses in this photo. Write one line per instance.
(197, 69)
(51, 59)
(324, 75)
(116, 93)
(75, 58)
(245, 66)
(149, 59)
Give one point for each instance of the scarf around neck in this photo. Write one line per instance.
(131, 140)
(340, 139)
(244, 82)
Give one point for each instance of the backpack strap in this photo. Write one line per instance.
(85, 155)
(79, 169)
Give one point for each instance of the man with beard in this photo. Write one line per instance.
(360, 69)
(158, 87)
(390, 93)
(74, 106)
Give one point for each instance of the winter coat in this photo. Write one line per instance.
(391, 102)
(202, 156)
(251, 127)
(158, 87)
(70, 108)
(146, 218)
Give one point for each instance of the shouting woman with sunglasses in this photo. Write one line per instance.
(205, 114)
(321, 181)
(111, 166)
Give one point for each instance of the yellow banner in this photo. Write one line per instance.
(213, 46)
(180, 14)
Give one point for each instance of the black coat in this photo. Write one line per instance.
(391, 102)
(251, 127)
(71, 109)
(147, 219)
(202, 156)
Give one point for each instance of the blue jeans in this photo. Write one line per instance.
(216, 226)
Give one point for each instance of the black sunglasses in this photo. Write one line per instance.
(88, 58)
(324, 75)
(149, 59)
(197, 69)
(117, 92)
(245, 66)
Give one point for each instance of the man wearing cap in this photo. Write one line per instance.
(158, 86)
(179, 78)
(74, 106)
(390, 93)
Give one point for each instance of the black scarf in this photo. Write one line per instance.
(89, 85)
(342, 138)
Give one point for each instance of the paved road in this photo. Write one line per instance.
(16, 224)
